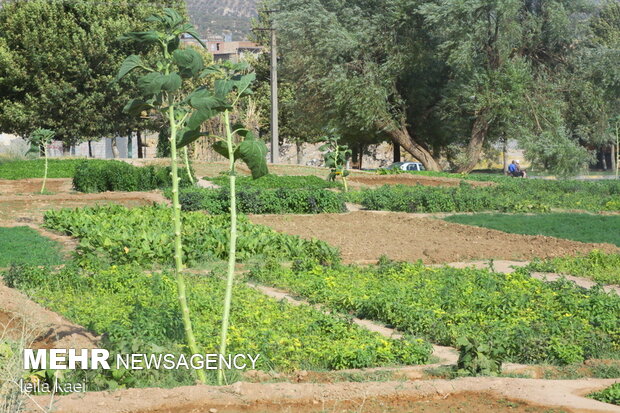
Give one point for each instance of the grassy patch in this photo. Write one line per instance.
(34, 168)
(609, 395)
(24, 245)
(576, 227)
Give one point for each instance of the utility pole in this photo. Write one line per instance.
(275, 132)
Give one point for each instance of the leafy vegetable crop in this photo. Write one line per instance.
(601, 267)
(130, 305)
(609, 395)
(278, 181)
(263, 201)
(532, 321)
(143, 236)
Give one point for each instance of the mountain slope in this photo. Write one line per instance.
(219, 17)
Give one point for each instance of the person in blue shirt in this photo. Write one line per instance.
(514, 170)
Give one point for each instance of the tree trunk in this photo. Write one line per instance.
(504, 154)
(139, 138)
(115, 153)
(401, 137)
(360, 156)
(614, 159)
(474, 149)
(396, 157)
(90, 149)
(300, 154)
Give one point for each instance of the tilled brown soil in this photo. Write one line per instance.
(492, 395)
(367, 235)
(33, 186)
(409, 179)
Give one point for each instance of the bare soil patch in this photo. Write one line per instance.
(410, 179)
(365, 235)
(17, 207)
(33, 186)
(48, 329)
(492, 395)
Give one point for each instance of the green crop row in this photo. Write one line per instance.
(25, 169)
(144, 236)
(525, 319)
(598, 266)
(263, 201)
(120, 176)
(508, 195)
(130, 305)
(278, 181)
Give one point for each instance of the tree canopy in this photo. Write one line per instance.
(446, 78)
(57, 61)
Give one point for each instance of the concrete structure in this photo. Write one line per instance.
(223, 49)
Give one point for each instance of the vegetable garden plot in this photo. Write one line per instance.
(143, 236)
(528, 320)
(139, 309)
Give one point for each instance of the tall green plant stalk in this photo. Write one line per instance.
(232, 248)
(178, 241)
(45, 170)
(189, 170)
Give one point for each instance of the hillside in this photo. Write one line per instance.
(219, 17)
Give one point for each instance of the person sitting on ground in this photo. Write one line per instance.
(514, 170)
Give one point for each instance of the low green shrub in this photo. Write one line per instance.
(598, 266)
(508, 195)
(129, 305)
(112, 175)
(609, 395)
(277, 181)
(263, 201)
(144, 236)
(529, 320)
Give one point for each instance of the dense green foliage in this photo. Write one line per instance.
(143, 236)
(609, 395)
(104, 176)
(24, 245)
(58, 76)
(578, 227)
(133, 306)
(277, 181)
(531, 321)
(601, 267)
(509, 194)
(263, 201)
(25, 169)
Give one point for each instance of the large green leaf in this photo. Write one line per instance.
(136, 106)
(242, 83)
(199, 117)
(205, 100)
(221, 147)
(152, 83)
(130, 63)
(189, 61)
(187, 136)
(253, 152)
(171, 17)
(172, 82)
(143, 37)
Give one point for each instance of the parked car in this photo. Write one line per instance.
(407, 166)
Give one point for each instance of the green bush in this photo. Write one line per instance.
(144, 236)
(508, 195)
(609, 395)
(104, 176)
(531, 321)
(263, 201)
(276, 181)
(130, 305)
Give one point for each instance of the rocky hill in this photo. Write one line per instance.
(221, 17)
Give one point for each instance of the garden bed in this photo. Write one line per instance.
(366, 236)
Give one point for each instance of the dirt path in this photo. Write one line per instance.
(365, 235)
(362, 397)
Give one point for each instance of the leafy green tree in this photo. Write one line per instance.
(57, 59)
